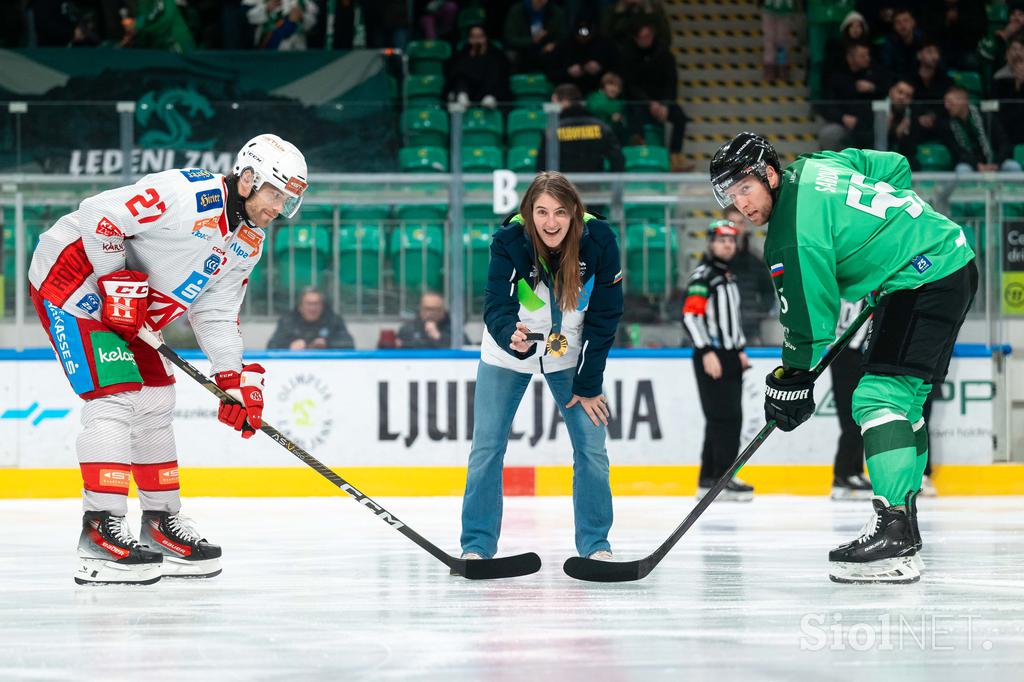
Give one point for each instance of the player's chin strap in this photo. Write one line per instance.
(235, 205)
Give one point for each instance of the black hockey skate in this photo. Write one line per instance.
(856, 487)
(884, 553)
(107, 553)
(185, 553)
(911, 501)
(734, 491)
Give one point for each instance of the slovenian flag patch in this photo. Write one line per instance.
(618, 277)
(777, 269)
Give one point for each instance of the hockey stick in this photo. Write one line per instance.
(625, 571)
(474, 569)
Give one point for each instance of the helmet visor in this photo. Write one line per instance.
(291, 206)
(724, 181)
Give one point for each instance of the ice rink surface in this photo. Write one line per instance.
(318, 588)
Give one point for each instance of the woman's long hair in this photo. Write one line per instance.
(567, 278)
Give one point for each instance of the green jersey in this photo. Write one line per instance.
(846, 224)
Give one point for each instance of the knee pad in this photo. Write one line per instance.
(880, 394)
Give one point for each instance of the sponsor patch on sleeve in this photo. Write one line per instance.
(920, 263)
(191, 287)
(777, 269)
(209, 200)
(90, 303)
(105, 228)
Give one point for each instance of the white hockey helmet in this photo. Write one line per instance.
(278, 162)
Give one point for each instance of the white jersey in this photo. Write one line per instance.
(173, 227)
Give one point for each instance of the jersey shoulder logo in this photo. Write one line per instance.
(251, 237)
(196, 174)
(105, 228)
(90, 303)
(920, 264)
(211, 264)
(208, 200)
(200, 227)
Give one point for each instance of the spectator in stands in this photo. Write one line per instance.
(964, 135)
(343, 32)
(902, 129)
(533, 29)
(849, 95)
(992, 48)
(776, 32)
(607, 104)
(387, 23)
(432, 327)
(879, 14)
(582, 58)
(436, 18)
(1009, 90)
(931, 82)
(281, 24)
(585, 142)
(899, 53)
(157, 26)
(478, 72)
(622, 21)
(757, 293)
(650, 73)
(957, 27)
(853, 29)
(311, 326)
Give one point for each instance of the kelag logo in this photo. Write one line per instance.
(40, 417)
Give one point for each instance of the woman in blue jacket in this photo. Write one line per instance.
(555, 276)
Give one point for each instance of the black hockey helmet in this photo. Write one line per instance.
(746, 154)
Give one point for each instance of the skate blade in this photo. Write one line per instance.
(182, 568)
(899, 571)
(104, 572)
(844, 494)
(918, 563)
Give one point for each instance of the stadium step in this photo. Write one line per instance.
(734, 72)
(762, 124)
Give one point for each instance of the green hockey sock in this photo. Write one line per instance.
(921, 443)
(891, 451)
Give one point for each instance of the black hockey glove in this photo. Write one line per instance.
(788, 397)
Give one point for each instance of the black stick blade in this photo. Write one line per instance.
(603, 571)
(502, 567)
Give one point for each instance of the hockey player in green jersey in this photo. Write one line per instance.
(846, 225)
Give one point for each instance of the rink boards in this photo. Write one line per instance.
(400, 423)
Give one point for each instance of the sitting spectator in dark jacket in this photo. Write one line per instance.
(848, 101)
(585, 142)
(432, 327)
(853, 29)
(931, 82)
(992, 48)
(478, 72)
(533, 28)
(964, 135)
(899, 53)
(311, 326)
(903, 130)
(582, 58)
(622, 20)
(651, 76)
(1008, 88)
(957, 26)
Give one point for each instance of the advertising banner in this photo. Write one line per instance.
(419, 412)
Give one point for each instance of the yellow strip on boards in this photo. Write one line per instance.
(953, 479)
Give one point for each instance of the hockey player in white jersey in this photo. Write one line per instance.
(183, 240)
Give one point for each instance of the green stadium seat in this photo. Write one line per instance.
(427, 127)
(482, 127)
(359, 247)
(423, 90)
(530, 87)
(354, 213)
(417, 255)
(481, 159)
(646, 159)
(526, 127)
(934, 157)
(423, 159)
(427, 57)
(654, 135)
(969, 81)
(651, 258)
(1018, 154)
(522, 159)
(302, 252)
(476, 241)
(469, 17)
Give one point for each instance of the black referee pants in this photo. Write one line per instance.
(721, 400)
(846, 371)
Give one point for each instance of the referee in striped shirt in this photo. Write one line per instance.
(711, 317)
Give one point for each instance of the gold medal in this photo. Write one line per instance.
(557, 344)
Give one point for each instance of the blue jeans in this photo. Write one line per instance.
(498, 394)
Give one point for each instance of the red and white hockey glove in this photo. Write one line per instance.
(245, 415)
(125, 296)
